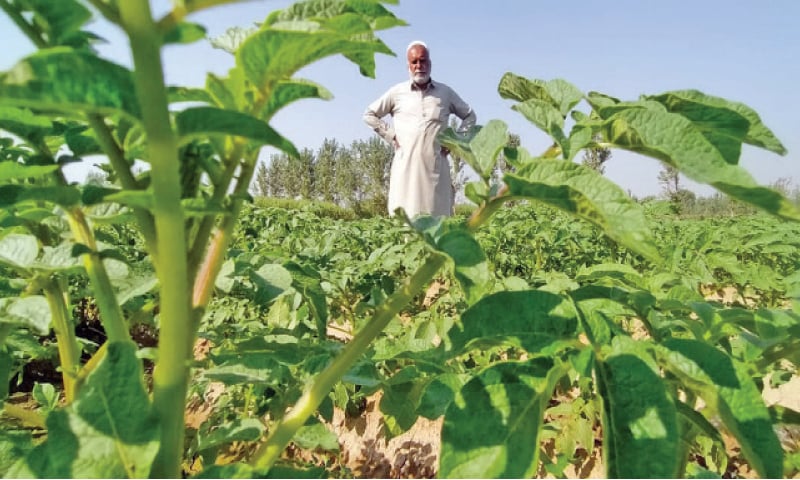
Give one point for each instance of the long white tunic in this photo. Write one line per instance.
(420, 175)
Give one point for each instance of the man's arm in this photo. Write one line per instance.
(462, 110)
(376, 111)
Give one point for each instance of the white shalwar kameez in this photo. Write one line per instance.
(420, 175)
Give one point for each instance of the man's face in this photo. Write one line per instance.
(419, 64)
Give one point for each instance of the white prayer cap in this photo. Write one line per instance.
(415, 43)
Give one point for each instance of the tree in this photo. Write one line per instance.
(595, 157)
(374, 159)
(502, 166)
(670, 181)
(325, 171)
(458, 173)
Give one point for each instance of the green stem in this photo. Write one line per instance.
(212, 263)
(25, 415)
(308, 403)
(110, 312)
(69, 352)
(116, 158)
(201, 239)
(27, 28)
(171, 375)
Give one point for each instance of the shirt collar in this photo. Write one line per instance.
(413, 86)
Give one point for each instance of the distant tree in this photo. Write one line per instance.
(669, 179)
(260, 187)
(502, 167)
(458, 172)
(325, 171)
(596, 157)
(97, 178)
(373, 159)
(302, 171)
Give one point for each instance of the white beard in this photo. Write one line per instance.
(420, 78)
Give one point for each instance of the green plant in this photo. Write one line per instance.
(643, 344)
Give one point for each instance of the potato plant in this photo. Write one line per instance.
(65, 101)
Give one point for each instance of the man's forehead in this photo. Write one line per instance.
(417, 51)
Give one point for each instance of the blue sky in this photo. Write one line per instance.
(745, 51)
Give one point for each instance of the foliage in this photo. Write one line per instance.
(354, 177)
(536, 303)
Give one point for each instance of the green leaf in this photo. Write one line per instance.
(471, 267)
(377, 16)
(270, 55)
(271, 280)
(437, 394)
(14, 446)
(6, 366)
(256, 370)
(187, 94)
(18, 250)
(559, 94)
(675, 140)
(730, 119)
(184, 33)
(240, 429)
(545, 116)
(201, 121)
(109, 431)
(492, 428)
(289, 91)
(315, 436)
(728, 386)
(57, 23)
(69, 81)
(24, 124)
(583, 192)
(479, 147)
(64, 196)
(692, 424)
(640, 427)
(308, 282)
(530, 319)
(400, 400)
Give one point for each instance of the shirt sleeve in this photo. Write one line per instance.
(462, 110)
(376, 111)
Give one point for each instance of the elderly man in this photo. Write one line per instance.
(420, 175)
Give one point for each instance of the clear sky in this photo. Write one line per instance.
(746, 51)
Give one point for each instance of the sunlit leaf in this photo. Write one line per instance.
(200, 121)
(730, 388)
(493, 426)
(69, 81)
(31, 312)
(722, 115)
(582, 192)
(530, 319)
(640, 418)
(18, 250)
(109, 431)
(675, 140)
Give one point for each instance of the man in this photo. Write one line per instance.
(420, 174)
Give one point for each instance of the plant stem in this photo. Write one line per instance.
(269, 452)
(110, 312)
(116, 158)
(171, 375)
(69, 352)
(204, 282)
(201, 240)
(27, 416)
